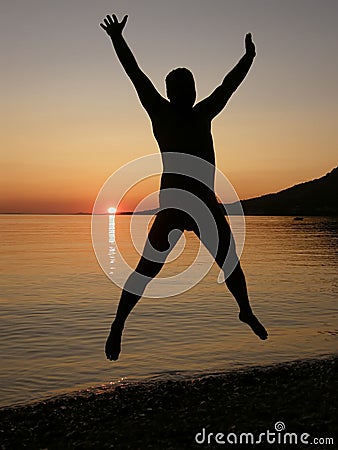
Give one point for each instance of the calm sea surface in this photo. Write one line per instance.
(57, 305)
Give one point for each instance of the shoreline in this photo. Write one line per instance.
(165, 414)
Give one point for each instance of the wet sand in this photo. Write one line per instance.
(169, 414)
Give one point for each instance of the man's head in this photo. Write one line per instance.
(180, 85)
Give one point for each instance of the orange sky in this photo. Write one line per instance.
(70, 117)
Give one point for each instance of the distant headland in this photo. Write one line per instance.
(317, 197)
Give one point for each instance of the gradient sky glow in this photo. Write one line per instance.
(70, 117)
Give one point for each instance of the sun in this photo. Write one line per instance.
(111, 210)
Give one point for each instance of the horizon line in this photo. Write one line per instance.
(152, 210)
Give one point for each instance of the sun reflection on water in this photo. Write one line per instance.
(112, 243)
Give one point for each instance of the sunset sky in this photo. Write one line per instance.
(70, 116)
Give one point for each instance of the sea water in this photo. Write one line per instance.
(57, 305)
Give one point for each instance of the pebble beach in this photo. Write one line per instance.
(209, 411)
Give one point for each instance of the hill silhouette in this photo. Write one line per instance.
(317, 197)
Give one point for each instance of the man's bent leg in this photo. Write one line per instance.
(235, 281)
(237, 286)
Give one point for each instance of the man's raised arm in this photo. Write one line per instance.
(146, 91)
(216, 101)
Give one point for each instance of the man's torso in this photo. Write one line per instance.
(185, 132)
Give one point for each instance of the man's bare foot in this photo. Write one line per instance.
(250, 319)
(113, 344)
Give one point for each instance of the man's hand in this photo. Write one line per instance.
(249, 45)
(112, 26)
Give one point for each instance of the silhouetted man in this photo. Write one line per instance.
(181, 128)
